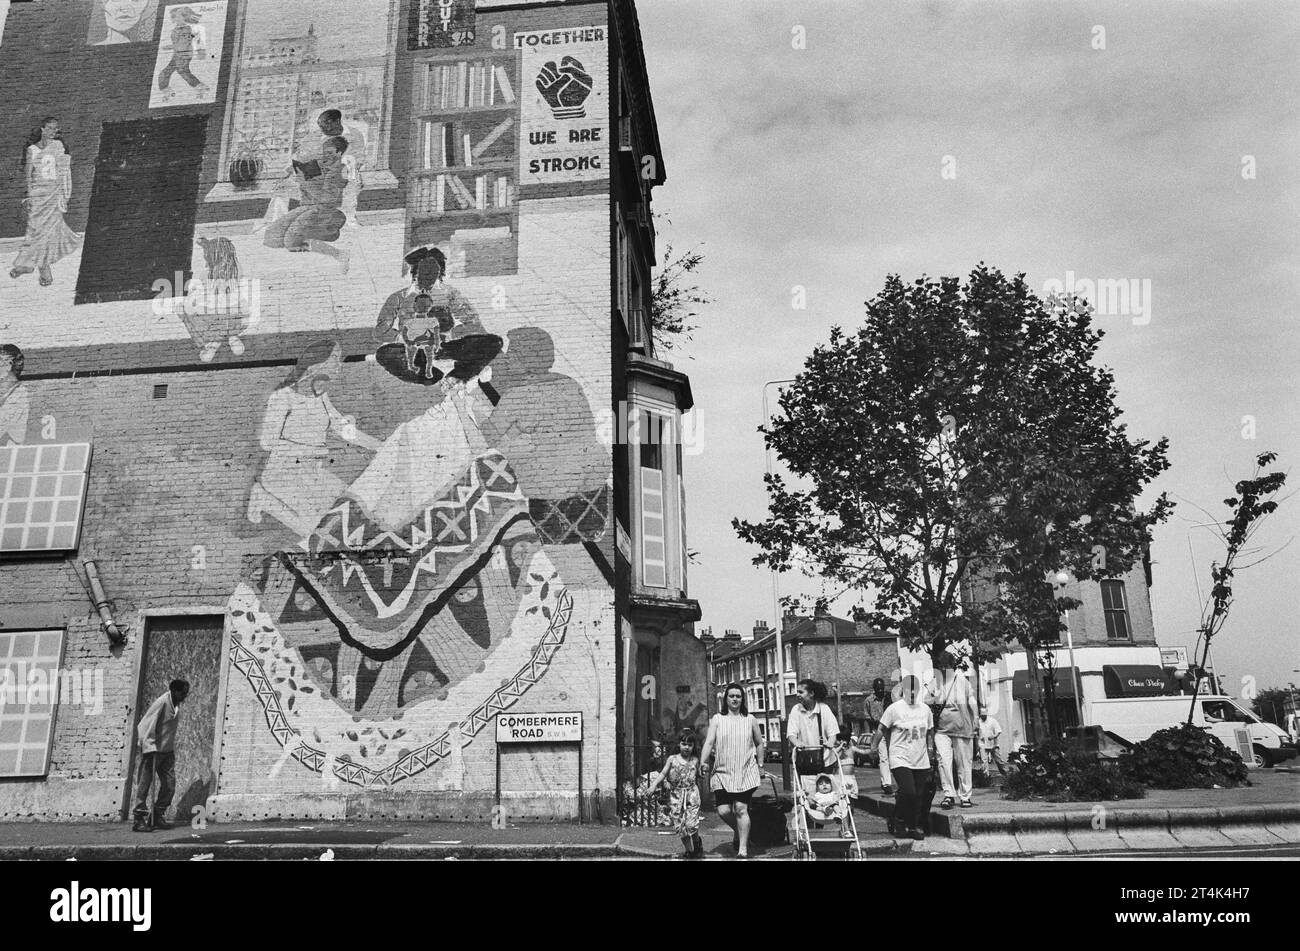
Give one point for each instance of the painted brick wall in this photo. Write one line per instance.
(399, 545)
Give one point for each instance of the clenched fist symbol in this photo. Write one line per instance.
(565, 89)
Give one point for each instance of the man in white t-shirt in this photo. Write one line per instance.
(906, 726)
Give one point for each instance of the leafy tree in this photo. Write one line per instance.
(1271, 704)
(675, 298)
(952, 455)
(1251, 504)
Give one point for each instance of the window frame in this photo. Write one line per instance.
(624, 280)
(54, 695)
(664, 418)
(30, 499)
(1109, 613)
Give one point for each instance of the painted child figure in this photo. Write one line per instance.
(682, 774)
(422, 332)
(825, 804)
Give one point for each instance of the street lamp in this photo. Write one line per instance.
(776, 606)
(1063, 578)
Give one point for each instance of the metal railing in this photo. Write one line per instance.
(636, 806)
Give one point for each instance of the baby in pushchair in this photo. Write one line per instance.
(827, 804)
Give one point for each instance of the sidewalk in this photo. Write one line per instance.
(716, 835)
(305, 839)
(358, 841)
(1265, 813)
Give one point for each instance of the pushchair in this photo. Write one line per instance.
(814, 831)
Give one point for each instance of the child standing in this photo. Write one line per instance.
(682, 772)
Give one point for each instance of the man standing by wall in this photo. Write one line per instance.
(877, 703)
(157, 735)
(990, 729)
(954, 739)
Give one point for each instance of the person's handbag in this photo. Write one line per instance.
(936, 709)
(769, 825)
(811, 762)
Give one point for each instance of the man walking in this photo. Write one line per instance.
(157, 735)
(877, 703)
(954, 740)
(990, 730)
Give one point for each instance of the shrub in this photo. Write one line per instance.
(1105, 780)
(1057, 772)
(1185, 757)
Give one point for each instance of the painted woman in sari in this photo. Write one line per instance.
(295, 486)
(47, 167)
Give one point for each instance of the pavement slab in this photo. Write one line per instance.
(994, 843)
(1199, 836)
(1044, 842)
(1152, 838)
(1096, 840)
(940, 845)
(1250, 835)
(1286, 831)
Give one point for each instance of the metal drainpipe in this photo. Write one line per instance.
(115, 633)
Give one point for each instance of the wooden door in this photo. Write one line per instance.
(185, 648)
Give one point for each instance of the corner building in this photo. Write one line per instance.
(325, 322)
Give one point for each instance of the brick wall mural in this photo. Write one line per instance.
(364, 253)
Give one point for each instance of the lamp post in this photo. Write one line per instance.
(776, 607)
(1063, 578)
(835, 647)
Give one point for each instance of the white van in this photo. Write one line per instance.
(1136, 718)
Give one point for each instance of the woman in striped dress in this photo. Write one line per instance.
(736, 746)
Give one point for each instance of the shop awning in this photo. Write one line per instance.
(1134, 680)
(1022, 688)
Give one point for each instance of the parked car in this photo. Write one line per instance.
(772, 752)
(863, 752)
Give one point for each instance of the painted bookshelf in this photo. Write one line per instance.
(462, 184)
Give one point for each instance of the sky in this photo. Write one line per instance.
(823, 167)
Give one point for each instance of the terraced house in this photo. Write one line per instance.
(327, 384)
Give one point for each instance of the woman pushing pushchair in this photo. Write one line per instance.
(821, 788)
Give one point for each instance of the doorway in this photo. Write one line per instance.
(185, 648)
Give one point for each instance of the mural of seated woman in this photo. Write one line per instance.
(431, 318)
(319, 218)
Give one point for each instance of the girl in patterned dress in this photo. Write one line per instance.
(682, 772)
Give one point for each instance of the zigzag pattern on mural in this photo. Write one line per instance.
(420, 759)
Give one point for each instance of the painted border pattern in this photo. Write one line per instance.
(420, 759)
